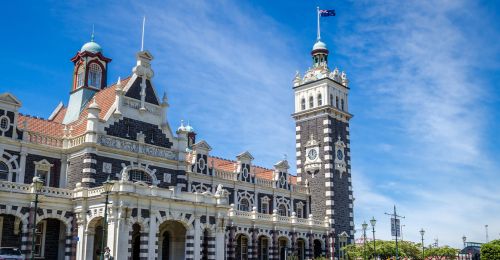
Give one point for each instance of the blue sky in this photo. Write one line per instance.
(423, 78)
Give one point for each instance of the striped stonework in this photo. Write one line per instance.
(190, 245)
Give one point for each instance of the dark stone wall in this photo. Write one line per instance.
(74, 171)
(55, 170)
(9, 239)
(340, 187)
(128, 128)
(11, 128)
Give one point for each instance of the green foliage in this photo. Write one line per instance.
(320, 258)
(491, 250)
(385, 250)
(445, 251)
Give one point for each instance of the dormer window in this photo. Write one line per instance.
(282, 210)
(320, 100)
(311, 102)
(303, 104)
(95, 75)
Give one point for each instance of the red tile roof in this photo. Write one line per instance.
(59, 117)
(41, 126)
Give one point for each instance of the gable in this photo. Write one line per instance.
(10, 99)
(135, 91)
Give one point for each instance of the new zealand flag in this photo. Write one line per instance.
(325, 13)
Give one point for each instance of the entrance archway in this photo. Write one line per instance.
(94, 238)
(241, 247)
(50, 238)
(172, 244)
(10, 231)
(318, 251)
(136, 241)
(301, 248)
(263, 248)
(282, 248)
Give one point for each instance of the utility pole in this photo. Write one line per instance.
(486, 228)
(395, 227)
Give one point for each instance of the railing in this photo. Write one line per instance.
(76, 141)
(253, 215)
(42, 139)
(26, 188)
(225, 175)
(264, 182)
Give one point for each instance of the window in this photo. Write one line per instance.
(244, 205)
(138, 175)
(311, 102)
(331, 100)
(40, 239)
(342, 104)
(299, 213)
(337, 102)
(79, 79)
(264, 207)
(320, 100)
(263, 249)
(4, 123)
(282, 210)
(303, 104)
(4, 171)
(42, 170)
(95, 75)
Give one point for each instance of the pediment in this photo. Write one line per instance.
(202, 145)
(245, 156)
(10, 99)
(283, 164)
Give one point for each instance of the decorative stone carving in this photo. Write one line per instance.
(135, 147)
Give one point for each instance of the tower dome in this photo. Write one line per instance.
(92, 47)
(319, 45)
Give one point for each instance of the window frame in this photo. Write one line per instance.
(41, 244)
(95, 75)
(7, 172)
(240, 204)
(311, 101)
(44, 167)
(320, 99)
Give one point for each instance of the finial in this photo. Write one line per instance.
(92, 36)
(119, 81)
(165, 98)
(284, 157)
(142, 38)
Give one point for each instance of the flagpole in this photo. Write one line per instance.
(142, 38)
(319, 32)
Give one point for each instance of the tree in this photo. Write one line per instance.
(445, 251)
(385, 249)
(491, 250)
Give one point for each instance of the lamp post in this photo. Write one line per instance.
(373, 221)
(364, 225)
(37, 186)
(464, 238)
(422, 232)
(108, 186)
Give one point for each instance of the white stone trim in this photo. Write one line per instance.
(92, 180)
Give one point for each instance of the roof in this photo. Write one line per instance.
(231, 166)
(55, 128)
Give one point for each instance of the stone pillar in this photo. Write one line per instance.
(68, 244)
(274, 253)
(309, 251)
(63, 174)
(255, 232)
(197, 236)
(189, 244)
(231, 245)
(81, 248)
(152, 237)
(22, 166)
(121, 243)
(25, 236)
(294, 241)
(220, 245)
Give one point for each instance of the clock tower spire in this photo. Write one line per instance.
(323, 143)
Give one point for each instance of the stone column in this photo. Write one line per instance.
(255, 232)
(220, 245)
(197, 236)
(274, 249)
(22, 166)
(189, 244)
(81, 248)
(309, 251)
(63, 173)
(231, 245)
(122, 242)
(152, 236)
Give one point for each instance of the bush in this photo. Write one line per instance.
(491, 250)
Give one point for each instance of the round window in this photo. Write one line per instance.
(4, 123)
(201, 164)
(282, 180)
(245, 172)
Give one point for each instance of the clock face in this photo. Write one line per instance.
(312, 154)
(340, 155)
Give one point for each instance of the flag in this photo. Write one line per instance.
(325, 13)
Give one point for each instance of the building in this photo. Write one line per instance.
(171, 199)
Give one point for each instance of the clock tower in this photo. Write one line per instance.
(322, 143)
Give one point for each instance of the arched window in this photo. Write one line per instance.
(244, 205)
(342, 104)
(138, 175)
(4, 171)
(331, 100)
(303, 104)
(311, 102)
(320, 100)
(282, 210)
(337, 102)
(95, 75)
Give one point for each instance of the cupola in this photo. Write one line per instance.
(319, 54)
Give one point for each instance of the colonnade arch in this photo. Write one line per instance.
(172, 240)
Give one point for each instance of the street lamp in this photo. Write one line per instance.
(373, 221)
(464, 238)
(422, 232)
(364, 225)
(37, 188)
(108, 186)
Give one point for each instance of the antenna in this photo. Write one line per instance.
(142, 39)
